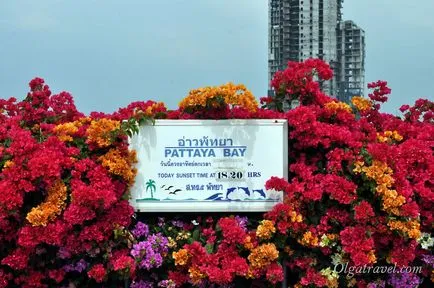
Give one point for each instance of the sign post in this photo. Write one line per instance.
(209, 165)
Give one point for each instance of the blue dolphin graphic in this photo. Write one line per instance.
(261, 192)
(245, 189)
(230, 190)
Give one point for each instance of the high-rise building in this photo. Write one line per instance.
(351, 52)
(302, 29)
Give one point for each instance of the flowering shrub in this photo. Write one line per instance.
(363, 185)
(205, 252)
(64, 193)
(359, 194)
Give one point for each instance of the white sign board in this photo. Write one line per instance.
(209, 165)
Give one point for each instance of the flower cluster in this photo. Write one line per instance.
(382, 174)
(151, 252)
(218, 98)
(265, 230)
(389, 136)
(297, 82)
(217, 252)
(101, 132)
(120, 163)
(51, 208)
(361, 104)
(336, 106)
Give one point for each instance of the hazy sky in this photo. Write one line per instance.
(110, 53)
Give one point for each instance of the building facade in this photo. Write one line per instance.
(302, 29)
(351, 69)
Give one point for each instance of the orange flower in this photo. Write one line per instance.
(332, 237)
(371, 256)
(295, 217)
(65, 131)
(51, 208)
(235, 95)
(263, 255)
(309, 239)
(338, 106)
(100, 132)
(361, 104)
(411, 228)
(392, 201)
(382, 175)
(248, 243)
(181, 257)
(150, 111)
(266, 229)
(288, 250)
(118, 164)
(8, 164)
(196, 275)
(389, 137)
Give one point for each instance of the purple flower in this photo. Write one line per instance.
(167, 284)
(428, 259)
(404, 280)
(63, 253)
(149, 253)
(159, 242)
(242, 222)
(80, 266)
(142, 284)
(377, 284)
(141, 230)
(151, 260)
(178, 223)
(68, 268)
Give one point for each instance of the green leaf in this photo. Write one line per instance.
(209, 248)
(196, 235)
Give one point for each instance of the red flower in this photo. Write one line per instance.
(232, 232)
(274, 273)
(17, 259)
(313, 277)
(363, 211)
(36, 84)
(358, 244)
(123, 262)
(77, 214)
(178, 277)
(4, 278)
(97, 272)
(380, 91)
(403, 253)
(404, 108)
(57, 275)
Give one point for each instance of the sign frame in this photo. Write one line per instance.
(202, 205)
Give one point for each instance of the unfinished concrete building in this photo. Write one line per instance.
(302, 29)
(351, 52)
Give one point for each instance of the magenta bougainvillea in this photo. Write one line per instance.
(359, 195)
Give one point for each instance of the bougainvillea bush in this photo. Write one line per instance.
(359, 195)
